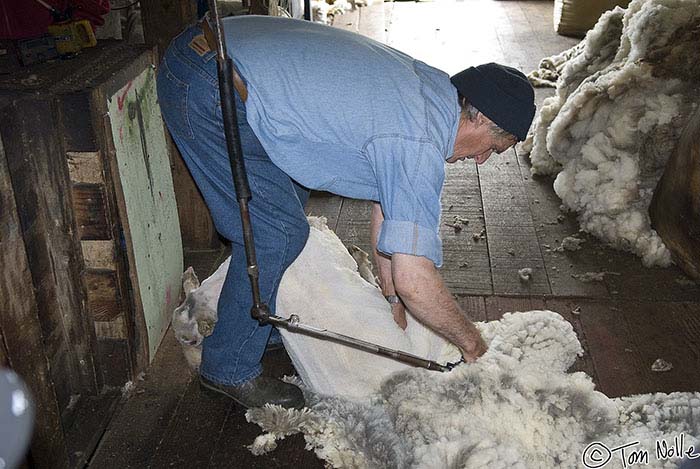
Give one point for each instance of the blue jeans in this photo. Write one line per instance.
(189, 100)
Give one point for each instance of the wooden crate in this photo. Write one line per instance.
(90, 227)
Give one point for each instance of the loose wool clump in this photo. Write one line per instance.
(621, 102)
(515, 407)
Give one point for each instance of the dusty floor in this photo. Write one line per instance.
(633, 317)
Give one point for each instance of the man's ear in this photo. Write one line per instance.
(481, 119)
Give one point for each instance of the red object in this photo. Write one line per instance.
(20, 19)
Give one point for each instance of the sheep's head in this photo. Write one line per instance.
(185, 323)
(196, 317)
(193, 320)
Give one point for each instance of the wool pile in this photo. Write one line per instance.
(621, 102)
(515, 407)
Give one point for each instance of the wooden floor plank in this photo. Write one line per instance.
(497, 306)
(192, 434)
(139, 425)
(618, 362)
(651, 326)
(388, 18)
(372, 21)
(324, 204)
(354, 223)
(517, 41)
(636, 282)
(571, 310)
(473, 306)
(551, 227)
(466, 265)
(237, 434)
(89, 421)
(348, 21)
(506, 207)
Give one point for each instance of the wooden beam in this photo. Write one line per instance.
(22, 339)
(41, 185)
(136, 331)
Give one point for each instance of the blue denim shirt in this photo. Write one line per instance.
(339, 112)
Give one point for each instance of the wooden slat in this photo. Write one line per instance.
(22, 340)
(104, 299)
(91, 211)
(135, 323)
(85, 167)
(348, 21)
(115, 329)
(372, 20)
(145, 195)
(196, 225)
(4, 359)
(388, 13)
(551, 227)
(98, 254)
(636, 282)
(519, 43)
(164, 19)
(113, 355)
(205, 262)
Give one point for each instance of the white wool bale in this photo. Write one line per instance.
(324, 289)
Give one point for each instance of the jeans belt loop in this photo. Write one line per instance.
(238, 82)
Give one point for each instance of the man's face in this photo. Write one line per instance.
(479, 142)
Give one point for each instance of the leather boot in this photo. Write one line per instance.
(259, 391)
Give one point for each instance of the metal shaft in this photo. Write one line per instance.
(260, 310)
(292, 324)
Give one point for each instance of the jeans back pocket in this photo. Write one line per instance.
(173, 95)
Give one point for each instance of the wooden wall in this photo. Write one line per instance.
(46, 223)
(162, 21)
(71, 320)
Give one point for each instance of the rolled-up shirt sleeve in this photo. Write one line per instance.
(410, 174)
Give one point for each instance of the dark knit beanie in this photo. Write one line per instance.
(501, 93)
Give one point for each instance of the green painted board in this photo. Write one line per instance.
(153, 234)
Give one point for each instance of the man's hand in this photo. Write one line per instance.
(420, 286)
(479, 348)
(399, 312)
